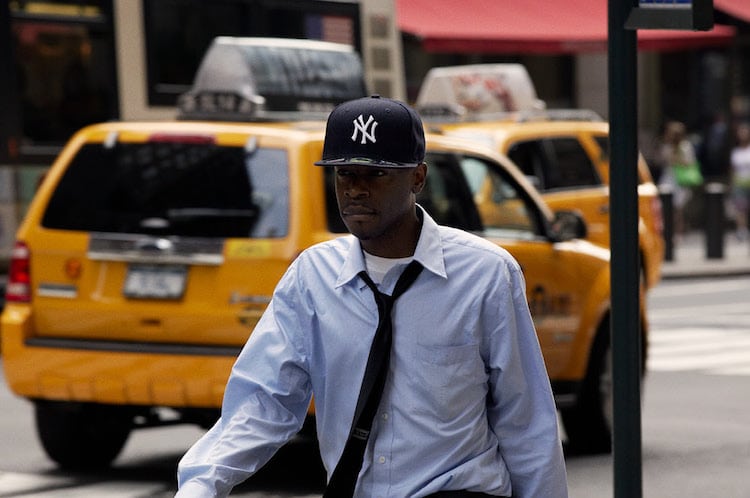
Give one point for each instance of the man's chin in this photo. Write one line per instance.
(360, 234)
(359, 231)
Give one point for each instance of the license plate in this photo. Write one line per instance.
(155, 282)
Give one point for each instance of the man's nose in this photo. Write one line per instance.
(356, 187)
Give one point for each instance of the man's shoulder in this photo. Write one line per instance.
(462, 241)
(333, 249)
(320, 262)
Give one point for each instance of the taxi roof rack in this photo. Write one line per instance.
(272, 79)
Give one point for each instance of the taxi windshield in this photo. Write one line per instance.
(172, 188)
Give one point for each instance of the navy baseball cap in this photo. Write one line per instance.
(373, 131)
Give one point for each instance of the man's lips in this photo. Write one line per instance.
(353, 211)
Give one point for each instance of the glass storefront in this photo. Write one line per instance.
(63, 60)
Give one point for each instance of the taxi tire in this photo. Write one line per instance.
(588, 423)
(81, 436)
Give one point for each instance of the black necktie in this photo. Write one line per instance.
(344, 477)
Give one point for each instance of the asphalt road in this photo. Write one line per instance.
(696, 440)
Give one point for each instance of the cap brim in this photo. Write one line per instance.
(363, 161)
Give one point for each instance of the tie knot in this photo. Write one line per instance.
(407, 278)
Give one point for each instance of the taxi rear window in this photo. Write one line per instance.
(555, 163)
(173, 188)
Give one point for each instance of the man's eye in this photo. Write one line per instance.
(373, 173)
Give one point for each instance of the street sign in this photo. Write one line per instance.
(695, 15)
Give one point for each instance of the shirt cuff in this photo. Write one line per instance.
(194, 489)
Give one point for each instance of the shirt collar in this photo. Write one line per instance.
(429, 252)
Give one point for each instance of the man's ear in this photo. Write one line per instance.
(420, 176)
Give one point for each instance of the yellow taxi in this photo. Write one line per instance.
(151, 249)
(565, 153)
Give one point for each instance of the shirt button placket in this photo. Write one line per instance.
(381, 471)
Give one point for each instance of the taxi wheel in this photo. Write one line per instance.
(588, 424)
(81, 436)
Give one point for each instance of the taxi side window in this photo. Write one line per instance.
(446, 195)
(555, 163)
(333, 218)
(503, 210)
(603, 142)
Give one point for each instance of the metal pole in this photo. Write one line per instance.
(714, 221)
(626, 343)
(667, 213)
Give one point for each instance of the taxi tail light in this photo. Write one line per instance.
(18, 289)
(658, 215)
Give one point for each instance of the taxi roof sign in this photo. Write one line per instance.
(477, 90)
(272, 79)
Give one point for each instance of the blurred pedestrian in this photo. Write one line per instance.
(466, 408)
(740, 180)
(715, 148)
(681, 172)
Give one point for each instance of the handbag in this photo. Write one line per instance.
(688, 175)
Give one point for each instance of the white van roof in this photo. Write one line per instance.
(477, 89)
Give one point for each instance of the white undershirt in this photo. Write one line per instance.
(377, 267)
(741, 165)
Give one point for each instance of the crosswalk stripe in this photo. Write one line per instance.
(13, 483)
(708, 288)
(41, 486)
(699, 362)
(707, 311)
(689, 335)
(717, 344)
(110, 490)
(735, 370)
(715, 351)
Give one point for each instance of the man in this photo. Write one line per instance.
(466, 406)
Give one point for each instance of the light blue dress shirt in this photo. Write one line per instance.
(467, 404)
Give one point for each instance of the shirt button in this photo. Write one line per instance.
(381, 459)
(385, 416)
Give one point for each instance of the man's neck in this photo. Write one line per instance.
(400, 243)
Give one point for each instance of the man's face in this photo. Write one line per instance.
(376, 203)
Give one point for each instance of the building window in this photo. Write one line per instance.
(64, 66)
(178, 32)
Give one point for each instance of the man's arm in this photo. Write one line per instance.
(521, 407)
(265, 403)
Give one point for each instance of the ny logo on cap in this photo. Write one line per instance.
(361, 126)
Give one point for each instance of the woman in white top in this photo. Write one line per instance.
(740, 179)
(676, 152)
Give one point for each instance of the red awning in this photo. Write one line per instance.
(533, 26)
(735, 8)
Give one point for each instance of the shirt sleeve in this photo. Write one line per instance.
(265, 402)
(521, 408)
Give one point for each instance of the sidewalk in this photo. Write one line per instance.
(690, 261)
